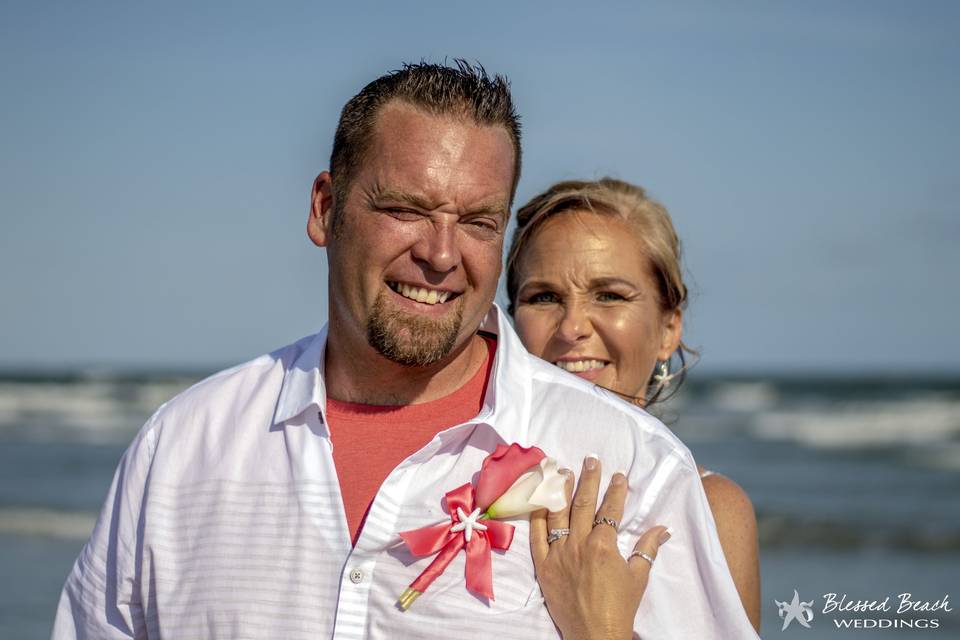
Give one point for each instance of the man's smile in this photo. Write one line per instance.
(424, 295)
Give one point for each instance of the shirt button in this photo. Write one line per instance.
(356, 576)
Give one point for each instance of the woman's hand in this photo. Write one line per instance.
(591, 591)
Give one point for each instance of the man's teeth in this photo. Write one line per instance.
(576, 366)
(428, 296)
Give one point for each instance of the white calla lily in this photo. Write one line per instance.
(542, 487)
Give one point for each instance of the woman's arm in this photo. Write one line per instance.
(737, 528)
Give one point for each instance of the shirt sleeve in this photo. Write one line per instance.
(102, 598)
(691, 593)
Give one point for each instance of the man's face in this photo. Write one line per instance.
(415, 257)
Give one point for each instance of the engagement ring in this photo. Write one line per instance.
(555, 534)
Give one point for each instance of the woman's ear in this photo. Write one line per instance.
(671, 333)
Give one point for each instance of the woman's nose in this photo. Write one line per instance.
(575, 325)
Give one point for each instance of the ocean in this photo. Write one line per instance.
(856, 484)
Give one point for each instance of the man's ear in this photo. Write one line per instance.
(671, 333)
(320, 221)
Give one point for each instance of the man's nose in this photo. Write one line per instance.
(575, 325)
(438, 248)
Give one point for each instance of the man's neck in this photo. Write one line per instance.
(373, 379)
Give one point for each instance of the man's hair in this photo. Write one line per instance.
(463, 90)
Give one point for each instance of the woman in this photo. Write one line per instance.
(596, 287)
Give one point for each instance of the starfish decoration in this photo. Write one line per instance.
(663, 376)
(482, 532)
(468, 523)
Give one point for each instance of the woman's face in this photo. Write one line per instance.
(587, 302)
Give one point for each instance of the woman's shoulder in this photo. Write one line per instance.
(737, 529)
(727, 499)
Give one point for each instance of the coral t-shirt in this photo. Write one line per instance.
(369, 441)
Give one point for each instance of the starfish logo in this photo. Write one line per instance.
(795, 610)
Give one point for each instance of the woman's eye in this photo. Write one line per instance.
(544, 297)
(609, 296)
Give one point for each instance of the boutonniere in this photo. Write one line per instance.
(513, 481)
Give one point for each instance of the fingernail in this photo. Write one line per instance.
(618, 478)
(668, 532)
(565, 472)
(590, 462)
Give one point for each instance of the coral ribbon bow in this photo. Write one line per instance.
(468, 526)
(465, 529)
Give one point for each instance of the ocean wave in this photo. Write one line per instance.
(917, 421)
(942, 455)
(744, 396)
(47, 523)
(89, 410)
(785, 531)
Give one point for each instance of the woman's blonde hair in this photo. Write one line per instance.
(629, 202)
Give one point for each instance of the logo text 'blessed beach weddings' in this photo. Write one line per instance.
(902, 611)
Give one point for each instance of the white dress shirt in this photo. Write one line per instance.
(225, 518)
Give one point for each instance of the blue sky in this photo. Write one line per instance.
(157, 159)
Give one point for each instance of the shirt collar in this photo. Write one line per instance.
(302, 386)
(506, 407)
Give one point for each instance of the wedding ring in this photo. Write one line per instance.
(645, 556)
(555, 534)
(610, 521)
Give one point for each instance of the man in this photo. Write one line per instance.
(266, 501)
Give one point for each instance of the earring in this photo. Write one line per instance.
(663, 375)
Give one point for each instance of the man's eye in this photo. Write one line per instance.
(484, 224)
(403, 214)
(544, 297)
(609, 296)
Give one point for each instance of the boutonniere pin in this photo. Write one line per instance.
(513, 481)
